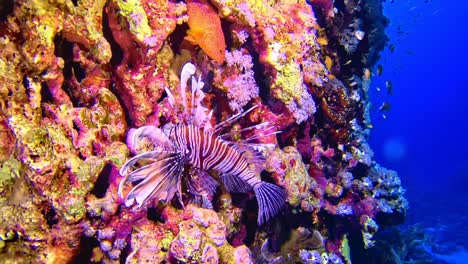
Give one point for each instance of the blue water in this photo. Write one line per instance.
(424, 136)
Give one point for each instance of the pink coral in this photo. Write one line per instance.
(238, 79)
(139, 83)
(74, 78)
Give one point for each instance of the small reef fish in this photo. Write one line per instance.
(436, 12)
(205, 29)
(348, 62)
(391, 47)
(367, 74)
(328, 63)
(401, 31)
(389, 86)
(359, 34)
(385, 107)
(196, 144)
(322, 41)
(379, 70)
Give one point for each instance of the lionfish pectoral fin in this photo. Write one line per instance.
(130, 202)
(179, 194)
(270, 199)
(130, 164)
(161, 183)
(201, 183)
(156, 135)
(121, 186)
(235, 184)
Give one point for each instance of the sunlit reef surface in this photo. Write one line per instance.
(75, 76)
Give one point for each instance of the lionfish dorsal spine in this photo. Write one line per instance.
(232, 119)
(188, 70)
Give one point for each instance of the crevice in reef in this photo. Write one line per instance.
(258, 69)
(250, 221)
(102, 182)
(154, 214)
(286, 137)
(360, 170)
(117, 52)
(64, 49)
(71, 69)
(124, 253)
(113, 89)
(177, 37)
(278, 234)
(6, 8)
(49, 214)
(226, 27)
(26, 84)
(85, 250)
(78, 71)
(45, 93)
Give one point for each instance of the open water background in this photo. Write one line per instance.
(424, 137)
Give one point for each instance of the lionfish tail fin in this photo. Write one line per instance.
(270, 199)
(235, 184)
(161, 181)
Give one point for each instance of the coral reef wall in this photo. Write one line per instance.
(76, 75)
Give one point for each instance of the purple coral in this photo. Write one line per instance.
(241, 85)
(74, 81)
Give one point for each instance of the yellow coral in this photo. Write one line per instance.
(136, 17)
(345, 249)
(290, 80)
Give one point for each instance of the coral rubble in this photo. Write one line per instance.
(76, 76)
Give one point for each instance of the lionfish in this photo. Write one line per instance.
(196, 144)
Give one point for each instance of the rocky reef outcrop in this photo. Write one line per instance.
(76, 75)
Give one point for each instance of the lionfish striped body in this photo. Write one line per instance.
(200, 146)
(205, 151)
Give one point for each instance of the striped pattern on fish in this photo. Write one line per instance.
(205, 150)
